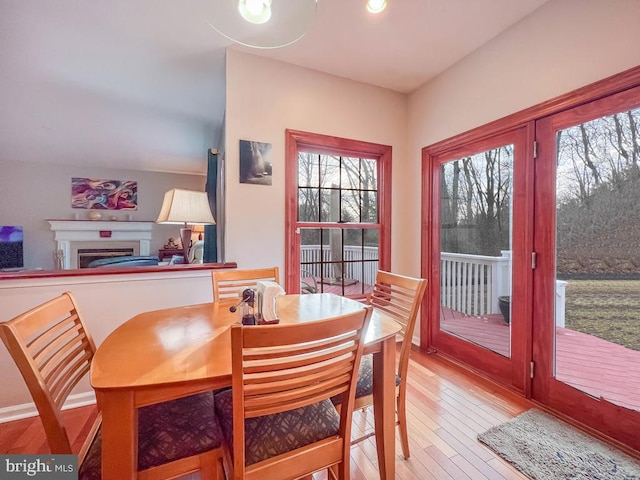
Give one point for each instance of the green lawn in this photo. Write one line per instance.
(608, 309)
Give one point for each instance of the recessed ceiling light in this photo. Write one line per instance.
(255, 11)
(376, 6)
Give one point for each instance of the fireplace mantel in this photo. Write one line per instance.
(73, 234)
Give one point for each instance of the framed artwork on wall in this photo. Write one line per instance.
(255, 162)
(94, 194)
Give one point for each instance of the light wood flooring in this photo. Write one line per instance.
(446, 408)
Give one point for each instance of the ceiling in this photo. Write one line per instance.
(140, 83)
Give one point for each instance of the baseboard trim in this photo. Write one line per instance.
(26, 410)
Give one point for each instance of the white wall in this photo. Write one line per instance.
(563, 45)
(31, 193)
(105, 302)
(265, 97)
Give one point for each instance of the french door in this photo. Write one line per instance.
(479, 253)
(586, 295)
(531, 236)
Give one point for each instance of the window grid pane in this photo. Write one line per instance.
(337, 189)
(342, 261)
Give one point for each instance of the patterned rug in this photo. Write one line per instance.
(545, 448)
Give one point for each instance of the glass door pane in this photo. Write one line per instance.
(475, 248)
(597, 290)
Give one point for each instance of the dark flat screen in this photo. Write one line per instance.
(11, 254)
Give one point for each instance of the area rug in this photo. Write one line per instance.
(545, 448)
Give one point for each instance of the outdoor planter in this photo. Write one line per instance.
(504, 303)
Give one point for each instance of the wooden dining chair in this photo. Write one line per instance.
(227, 283)
(53, 349)
(398, 297)
(278, 419)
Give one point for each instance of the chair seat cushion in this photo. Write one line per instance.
(273, 435)
(364, 386)
(166, 432)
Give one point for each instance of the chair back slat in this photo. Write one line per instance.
(293, 380)
(260, 407)
(400, 297)
(227, 284)
(277, 368)
(52, 358)
(288, 362)
(43, 317)
(53, 351)
(281, 351)
(70, 377)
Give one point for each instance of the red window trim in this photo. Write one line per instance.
(297, 141)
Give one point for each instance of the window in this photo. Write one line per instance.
(338, 214)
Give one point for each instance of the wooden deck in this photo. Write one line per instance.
(326, 286)
(588, 363)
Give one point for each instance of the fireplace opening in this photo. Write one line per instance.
(88, 255)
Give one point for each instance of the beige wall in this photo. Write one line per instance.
(31, 193)
(105, 302)
(265, 97)
(563, 45)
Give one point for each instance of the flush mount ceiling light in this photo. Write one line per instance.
(376, 6)
(255, 11)
(263, 23)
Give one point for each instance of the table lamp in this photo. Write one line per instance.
(185, 207)
(199, 229)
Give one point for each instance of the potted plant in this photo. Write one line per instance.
(504, 303)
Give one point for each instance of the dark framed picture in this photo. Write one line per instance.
(255, 162)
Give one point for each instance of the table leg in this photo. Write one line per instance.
(119, 436)
(384, 392)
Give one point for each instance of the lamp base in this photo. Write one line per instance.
(185, 236)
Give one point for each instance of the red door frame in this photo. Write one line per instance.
(615, 424)
(510, 371)
(615, 421)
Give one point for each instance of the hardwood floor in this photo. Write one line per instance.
(446, 410)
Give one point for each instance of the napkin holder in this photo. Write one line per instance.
(267, 295)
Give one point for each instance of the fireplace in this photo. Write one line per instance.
(119, 238)
(88, 255)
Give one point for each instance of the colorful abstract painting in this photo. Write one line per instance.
(104, 194)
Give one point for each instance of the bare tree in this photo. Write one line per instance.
(476, 202)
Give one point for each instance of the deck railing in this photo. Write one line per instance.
(472, 284)
(360, 263)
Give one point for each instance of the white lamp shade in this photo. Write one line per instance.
(185, 207)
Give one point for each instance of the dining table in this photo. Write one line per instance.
(162, 355)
